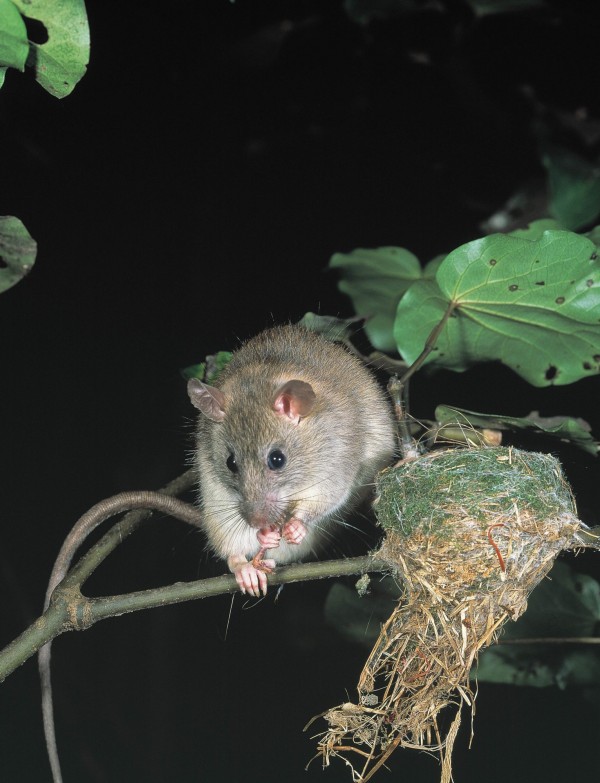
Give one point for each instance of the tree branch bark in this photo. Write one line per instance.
(72, 611)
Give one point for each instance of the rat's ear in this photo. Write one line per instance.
(295, 400)
(208, 400)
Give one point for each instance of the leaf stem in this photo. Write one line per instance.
(430, 342)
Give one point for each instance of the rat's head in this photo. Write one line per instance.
(261, 436)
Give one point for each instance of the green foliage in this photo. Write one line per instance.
(330, 327)
(536, 229)
(13, 39)
(530, 300)
(61, 61)
(574, 187)
(375, 280)
(510, 295)
(564, 428)
(17, 252)
(208, 370)
(567, 605)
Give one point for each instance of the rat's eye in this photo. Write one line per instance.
(276, 459)
(232, 464)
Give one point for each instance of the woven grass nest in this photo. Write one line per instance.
(469, 534)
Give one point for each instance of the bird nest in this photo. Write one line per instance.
(469, 534)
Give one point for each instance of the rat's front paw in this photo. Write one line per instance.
(269, 537)
(294, 531)
(251, 577)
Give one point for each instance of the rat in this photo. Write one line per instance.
(289, 438)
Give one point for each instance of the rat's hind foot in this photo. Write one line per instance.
(252, 577)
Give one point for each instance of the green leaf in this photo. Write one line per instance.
(574, 187)
(194, 371)
(61, 61)
(375, 280)
(594, 235)
(431, 267)
(17, 251)
(14, 46)
(532, 304)
(209, 370)
(567, 605)
(330, 327)
(565, 428)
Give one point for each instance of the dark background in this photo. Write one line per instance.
(187, 194)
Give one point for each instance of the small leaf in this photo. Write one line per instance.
(61, 61)
(565, 428)
(574, 187)
(532, 304)
(375, 280)
(594, 235)
(208, 371)
(17, 251)
(331, 328)
(194, 371)
(14, 46)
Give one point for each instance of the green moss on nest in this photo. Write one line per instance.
(487, 482)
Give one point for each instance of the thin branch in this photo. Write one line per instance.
(86, 566)
(70, 610)
(554, 640)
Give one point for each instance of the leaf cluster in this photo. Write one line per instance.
(529, 299)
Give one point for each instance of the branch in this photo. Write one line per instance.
(72, 611)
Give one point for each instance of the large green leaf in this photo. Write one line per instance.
(532, 304)
(17, 251)
(61, 61)
(375, 280)
(14, 46)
